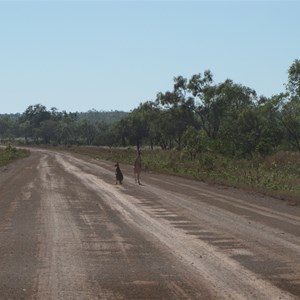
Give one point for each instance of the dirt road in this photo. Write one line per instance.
(67, 231)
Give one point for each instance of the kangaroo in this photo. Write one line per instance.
(137, 168)
(119, 175)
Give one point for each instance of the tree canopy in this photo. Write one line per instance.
(196, 115)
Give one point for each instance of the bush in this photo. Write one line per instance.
(11, 153)
(276, 174)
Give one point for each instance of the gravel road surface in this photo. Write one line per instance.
(67, 231)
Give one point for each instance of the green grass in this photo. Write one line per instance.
(10, 154)
(277, 175)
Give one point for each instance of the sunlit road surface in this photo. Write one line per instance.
(67, 231)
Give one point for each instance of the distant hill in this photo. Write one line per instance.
(105, 116)
(91, 115)
(10, 116)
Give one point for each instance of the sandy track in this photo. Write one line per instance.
(80, 236)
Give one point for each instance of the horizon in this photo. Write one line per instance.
(79, 112)
(79, 56)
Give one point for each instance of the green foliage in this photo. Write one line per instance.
(194, 142)
(37, 125)
(264, 147)
(218, 132)
(293, 85)
(11, 153)
(94, 116)
(197, 117)
(10, 150)
(290, 119)
(277, 174)
(177, 113)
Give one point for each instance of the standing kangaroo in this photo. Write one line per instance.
(119, 174)
(137, 168)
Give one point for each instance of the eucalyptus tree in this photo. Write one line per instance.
(32, 119)
(137, 130)
(35, 114)
(177, 109)
(194, 142)
(88, 131)
(206, 102)
(293, 85)
(150, 115)
(238, 125)
(5, 126)
(165, 129)
(291, 121)
(122, 131)
(106, 134)
(48, 131)
(290, 111)
(271, 129)
(67, 129)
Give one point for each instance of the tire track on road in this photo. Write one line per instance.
(62, 274)
(228, 278)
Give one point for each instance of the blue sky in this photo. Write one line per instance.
(113, 55)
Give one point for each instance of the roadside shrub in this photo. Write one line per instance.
(208, 162)
(277, 175)
(11, 153)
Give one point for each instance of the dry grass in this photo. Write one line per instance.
(10, 153)
(277, 175)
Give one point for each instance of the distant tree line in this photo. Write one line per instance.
(37, 125)
(196, 116)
